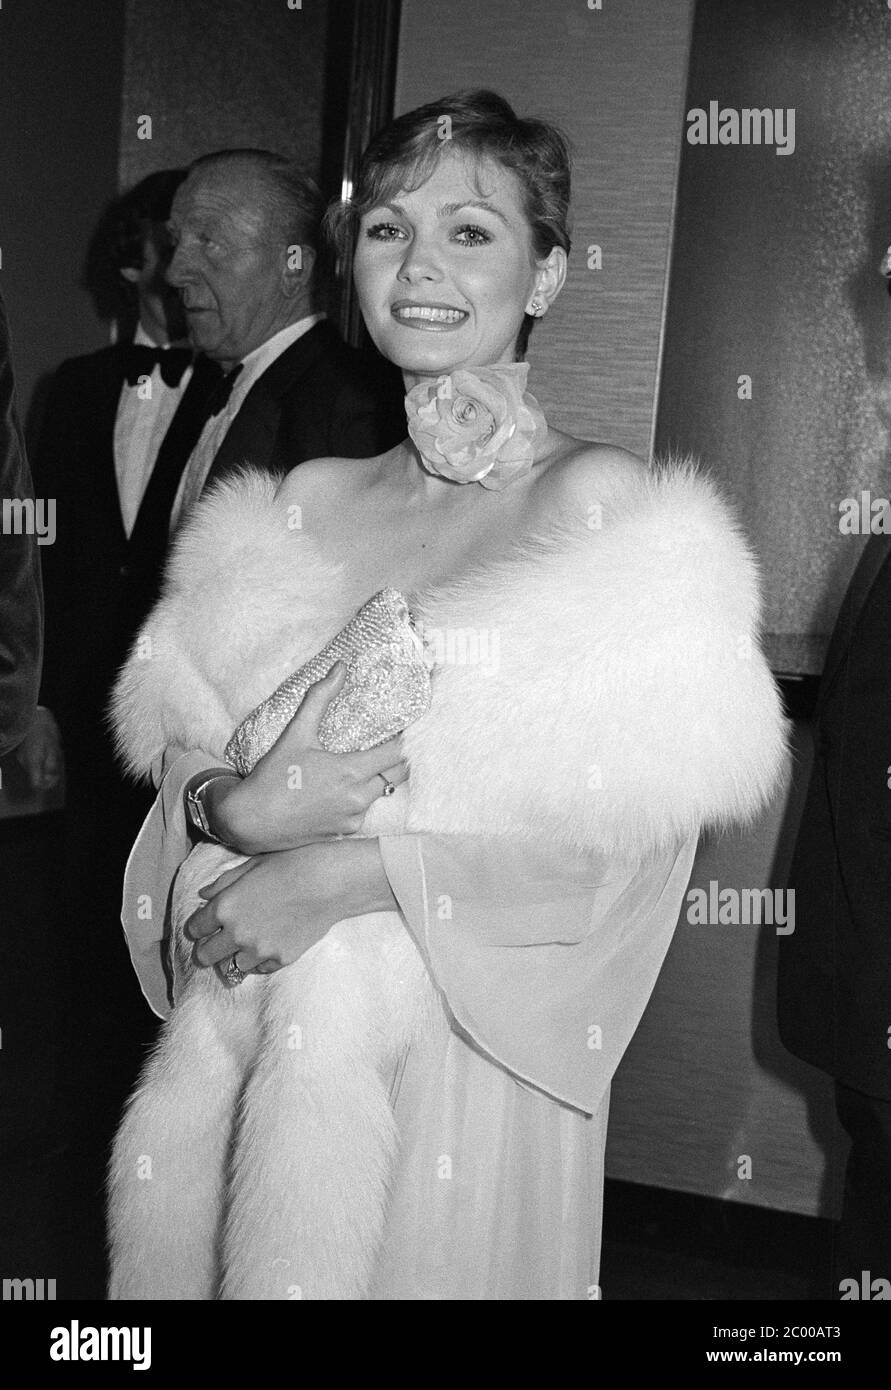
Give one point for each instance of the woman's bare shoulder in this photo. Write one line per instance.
(581, 473)
(333, 477)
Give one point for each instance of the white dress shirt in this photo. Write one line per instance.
(217, 427)
(141, 423)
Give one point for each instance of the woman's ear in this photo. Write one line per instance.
(548, 282)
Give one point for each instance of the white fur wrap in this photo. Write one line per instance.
(598, 687)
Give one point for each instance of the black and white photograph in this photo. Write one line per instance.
(445, 669)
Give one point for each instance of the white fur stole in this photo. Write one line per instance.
(598, 688)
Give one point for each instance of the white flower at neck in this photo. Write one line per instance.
(477, 426)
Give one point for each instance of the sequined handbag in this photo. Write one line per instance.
(387, 686)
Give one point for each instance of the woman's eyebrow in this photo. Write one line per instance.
(449, 209)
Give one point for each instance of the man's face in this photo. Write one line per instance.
(227, 264)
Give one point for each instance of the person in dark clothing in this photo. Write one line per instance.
(111, 420)
(834, 998)
(21, 621)
(246, 231)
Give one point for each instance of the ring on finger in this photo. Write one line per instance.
(234, 974)
(388, 785)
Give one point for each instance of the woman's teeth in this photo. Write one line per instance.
(431, 314)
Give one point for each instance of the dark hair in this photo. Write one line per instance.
(292, 201)
(119, 240)
(404, 154)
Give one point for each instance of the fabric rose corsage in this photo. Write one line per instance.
(477, 426)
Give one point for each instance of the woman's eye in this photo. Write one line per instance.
(384, 231)
(472, 236)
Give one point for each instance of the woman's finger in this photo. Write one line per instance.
(246, 958)
(395, 774)
(215, 948)
(213, 890)
(313, 705)
(202, 923)
(392, 777)
(377, 759)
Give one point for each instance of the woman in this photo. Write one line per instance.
(412, 1103)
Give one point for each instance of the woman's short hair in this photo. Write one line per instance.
(404, 154)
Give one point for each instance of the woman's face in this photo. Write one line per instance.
(444, 274)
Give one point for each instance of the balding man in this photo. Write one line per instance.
(245, 227)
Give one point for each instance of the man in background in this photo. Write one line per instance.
(246, 231)
(119, 425)
(108, 421)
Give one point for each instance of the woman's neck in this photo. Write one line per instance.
(412, 378)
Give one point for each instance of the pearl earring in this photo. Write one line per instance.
(536, 308)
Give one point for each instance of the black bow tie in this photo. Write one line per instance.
(220, 394)
(141, 360)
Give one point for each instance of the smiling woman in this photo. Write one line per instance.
(436, 948)
(502, 189)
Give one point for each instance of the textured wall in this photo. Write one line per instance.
(706, 1079)
(775, 275)
(614, 79)
(60, 100)
(211, 74)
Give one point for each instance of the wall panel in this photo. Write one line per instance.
(615, 80)
(213, 74)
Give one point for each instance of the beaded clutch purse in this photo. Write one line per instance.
(387, 686)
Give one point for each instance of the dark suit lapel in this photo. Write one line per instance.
(104, 411)
(251, 436)
(874, 556)
(153, 519)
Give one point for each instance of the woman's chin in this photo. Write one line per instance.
(436, 358)
(426, 359)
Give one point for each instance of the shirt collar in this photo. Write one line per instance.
(142, 339)
(262, 357)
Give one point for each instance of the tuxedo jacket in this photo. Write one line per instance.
(20, 588)
(835, 968)
(320, 397)
(93, 605)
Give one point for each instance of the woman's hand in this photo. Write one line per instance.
(298, 793)
(272, 909)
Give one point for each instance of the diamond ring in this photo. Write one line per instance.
(234, 973)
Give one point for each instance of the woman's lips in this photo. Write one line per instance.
(436, 318)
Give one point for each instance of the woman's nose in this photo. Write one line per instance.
(420, 262)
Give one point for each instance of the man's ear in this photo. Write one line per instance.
(299, 265)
